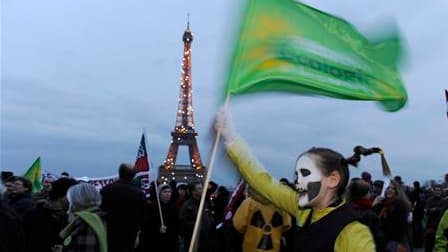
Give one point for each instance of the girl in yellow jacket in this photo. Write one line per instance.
(324, 222)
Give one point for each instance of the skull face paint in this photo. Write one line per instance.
(308, 180)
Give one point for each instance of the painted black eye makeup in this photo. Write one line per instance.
(305, 172)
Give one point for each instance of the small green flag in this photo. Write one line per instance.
(286, 46)
(34, 174)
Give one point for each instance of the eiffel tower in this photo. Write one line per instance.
(184, 132)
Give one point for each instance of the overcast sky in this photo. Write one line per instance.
(81, 79)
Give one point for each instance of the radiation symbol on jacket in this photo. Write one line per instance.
(258, 221)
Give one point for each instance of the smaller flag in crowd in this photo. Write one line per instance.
(34, 174)
(142, 167)
(234, 202)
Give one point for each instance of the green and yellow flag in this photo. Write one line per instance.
(34, 173)
(286, 46)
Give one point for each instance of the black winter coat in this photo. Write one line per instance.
(125, 206)
(42, 225)
(11, 233)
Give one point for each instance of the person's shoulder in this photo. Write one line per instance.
(356, 225)
(355, 236)
(38, 210)
(24, 201)
(117, 186)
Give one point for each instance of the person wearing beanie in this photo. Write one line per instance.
(161, 187)
(157, 236)
(43, 222)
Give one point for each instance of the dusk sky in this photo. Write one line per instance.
(80, 80)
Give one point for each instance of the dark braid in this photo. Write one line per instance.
(357, 152)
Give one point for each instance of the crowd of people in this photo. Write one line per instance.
(69, 215)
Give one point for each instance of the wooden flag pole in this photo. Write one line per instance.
(194, 238)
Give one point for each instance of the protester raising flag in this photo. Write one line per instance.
(142, 167)
(34, 174)
(287, 46)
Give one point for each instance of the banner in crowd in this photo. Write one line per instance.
(99, 183)
(34, 174)
(142, 167)
(287, 46)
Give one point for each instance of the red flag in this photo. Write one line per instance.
(142, 167)
(235, 201)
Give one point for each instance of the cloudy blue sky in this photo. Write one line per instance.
(81, 79)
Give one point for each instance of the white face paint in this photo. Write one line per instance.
(308, 179)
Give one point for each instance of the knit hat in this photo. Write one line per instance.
(162, 187)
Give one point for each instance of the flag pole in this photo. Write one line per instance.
(194, 238)
(155, 183)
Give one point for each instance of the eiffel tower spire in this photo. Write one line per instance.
(184, 132)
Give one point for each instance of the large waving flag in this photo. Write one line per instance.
(142, 167)
(34, 174)
(286, 46)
